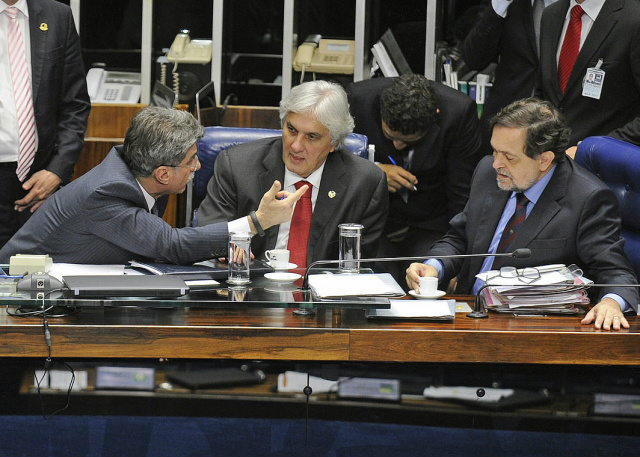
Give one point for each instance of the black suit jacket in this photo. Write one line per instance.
(575, 221)
(60, 98)
(352, 190)
(614, 38)
(443, 161)
(511, 43)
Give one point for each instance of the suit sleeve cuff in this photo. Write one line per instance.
(240, 225)
(624, 306)
(435, 263)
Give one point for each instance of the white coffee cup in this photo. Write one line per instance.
(278, 258)
(428, 285)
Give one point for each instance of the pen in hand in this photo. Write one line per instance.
(394, 163)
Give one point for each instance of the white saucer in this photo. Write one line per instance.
(283, 278)
(291, 266)
(437, 294)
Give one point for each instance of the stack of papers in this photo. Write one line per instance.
(556, 291)
(349, 285)
(437, 310)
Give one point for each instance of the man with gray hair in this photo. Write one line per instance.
(110, 214)
(343, 188)
(529, 195)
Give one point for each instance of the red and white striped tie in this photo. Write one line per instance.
(22, 94)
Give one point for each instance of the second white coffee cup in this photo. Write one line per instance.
(278, 258)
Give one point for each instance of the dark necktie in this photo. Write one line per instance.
(513, 225)
(570, 47)
(154, 209)
(300, 225)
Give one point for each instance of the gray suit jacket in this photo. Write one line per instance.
(576, 221)
(60, 98)
(614, 38)
(102, 218)
(245, 172)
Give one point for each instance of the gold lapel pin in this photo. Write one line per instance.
(44, 27)
(332, 193)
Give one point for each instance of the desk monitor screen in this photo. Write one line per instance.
(206, 109)
(163, 96)
(101, 286)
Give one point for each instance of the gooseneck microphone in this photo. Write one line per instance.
(521, 253)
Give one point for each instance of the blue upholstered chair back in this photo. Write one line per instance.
(617, 164)
(217, 139)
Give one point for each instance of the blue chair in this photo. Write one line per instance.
(617, 164)
(217, 139)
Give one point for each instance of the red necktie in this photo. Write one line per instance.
(300, 225)
(570, 46)
(511, 229)
(22, 95)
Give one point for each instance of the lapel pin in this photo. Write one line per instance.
(44, 27)
(332, 193)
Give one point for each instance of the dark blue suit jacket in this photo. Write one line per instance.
(575, 221)
(102, 218)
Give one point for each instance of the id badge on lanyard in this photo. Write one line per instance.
(593, 81)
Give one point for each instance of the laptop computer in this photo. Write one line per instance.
(100, 286)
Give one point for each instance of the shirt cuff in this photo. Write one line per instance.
(621, 301)
(240, 225)
(500, 7)
(435, 263)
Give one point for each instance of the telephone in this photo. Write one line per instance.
(322, 55)
(186, 50)
(113, 86)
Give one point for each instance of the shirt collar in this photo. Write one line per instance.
(147, 196)
(290, 178)
(21, 5)
(591, 7)
(533, 193)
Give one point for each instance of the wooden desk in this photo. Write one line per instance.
(239, 332)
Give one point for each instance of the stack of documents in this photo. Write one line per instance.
(349, 285)
(557, 290)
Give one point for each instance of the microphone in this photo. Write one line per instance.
(521, 253)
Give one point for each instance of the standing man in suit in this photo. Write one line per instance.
(427, 141)
(606, 40)
(110, 215)
(507, 33)
(343, 187)
(46, 118)
(568, 215)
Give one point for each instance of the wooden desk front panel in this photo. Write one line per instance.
(277, 334)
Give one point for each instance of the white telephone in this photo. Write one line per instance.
(113, 86)
(321, 55)
(186, 50)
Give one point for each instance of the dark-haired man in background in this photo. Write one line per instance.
(427, 141)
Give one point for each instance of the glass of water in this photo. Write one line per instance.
(350, 247)
(239, 257)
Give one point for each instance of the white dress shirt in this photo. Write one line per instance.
(9, 138)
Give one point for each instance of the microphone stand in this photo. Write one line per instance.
(521, 253)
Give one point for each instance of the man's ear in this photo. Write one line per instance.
(162, 175)
(546, 160)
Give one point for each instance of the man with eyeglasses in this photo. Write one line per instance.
(110, 214)
(568, 216)
(427, 141)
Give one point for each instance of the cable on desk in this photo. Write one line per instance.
(49, 362)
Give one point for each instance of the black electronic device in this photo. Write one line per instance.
(217, 377)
